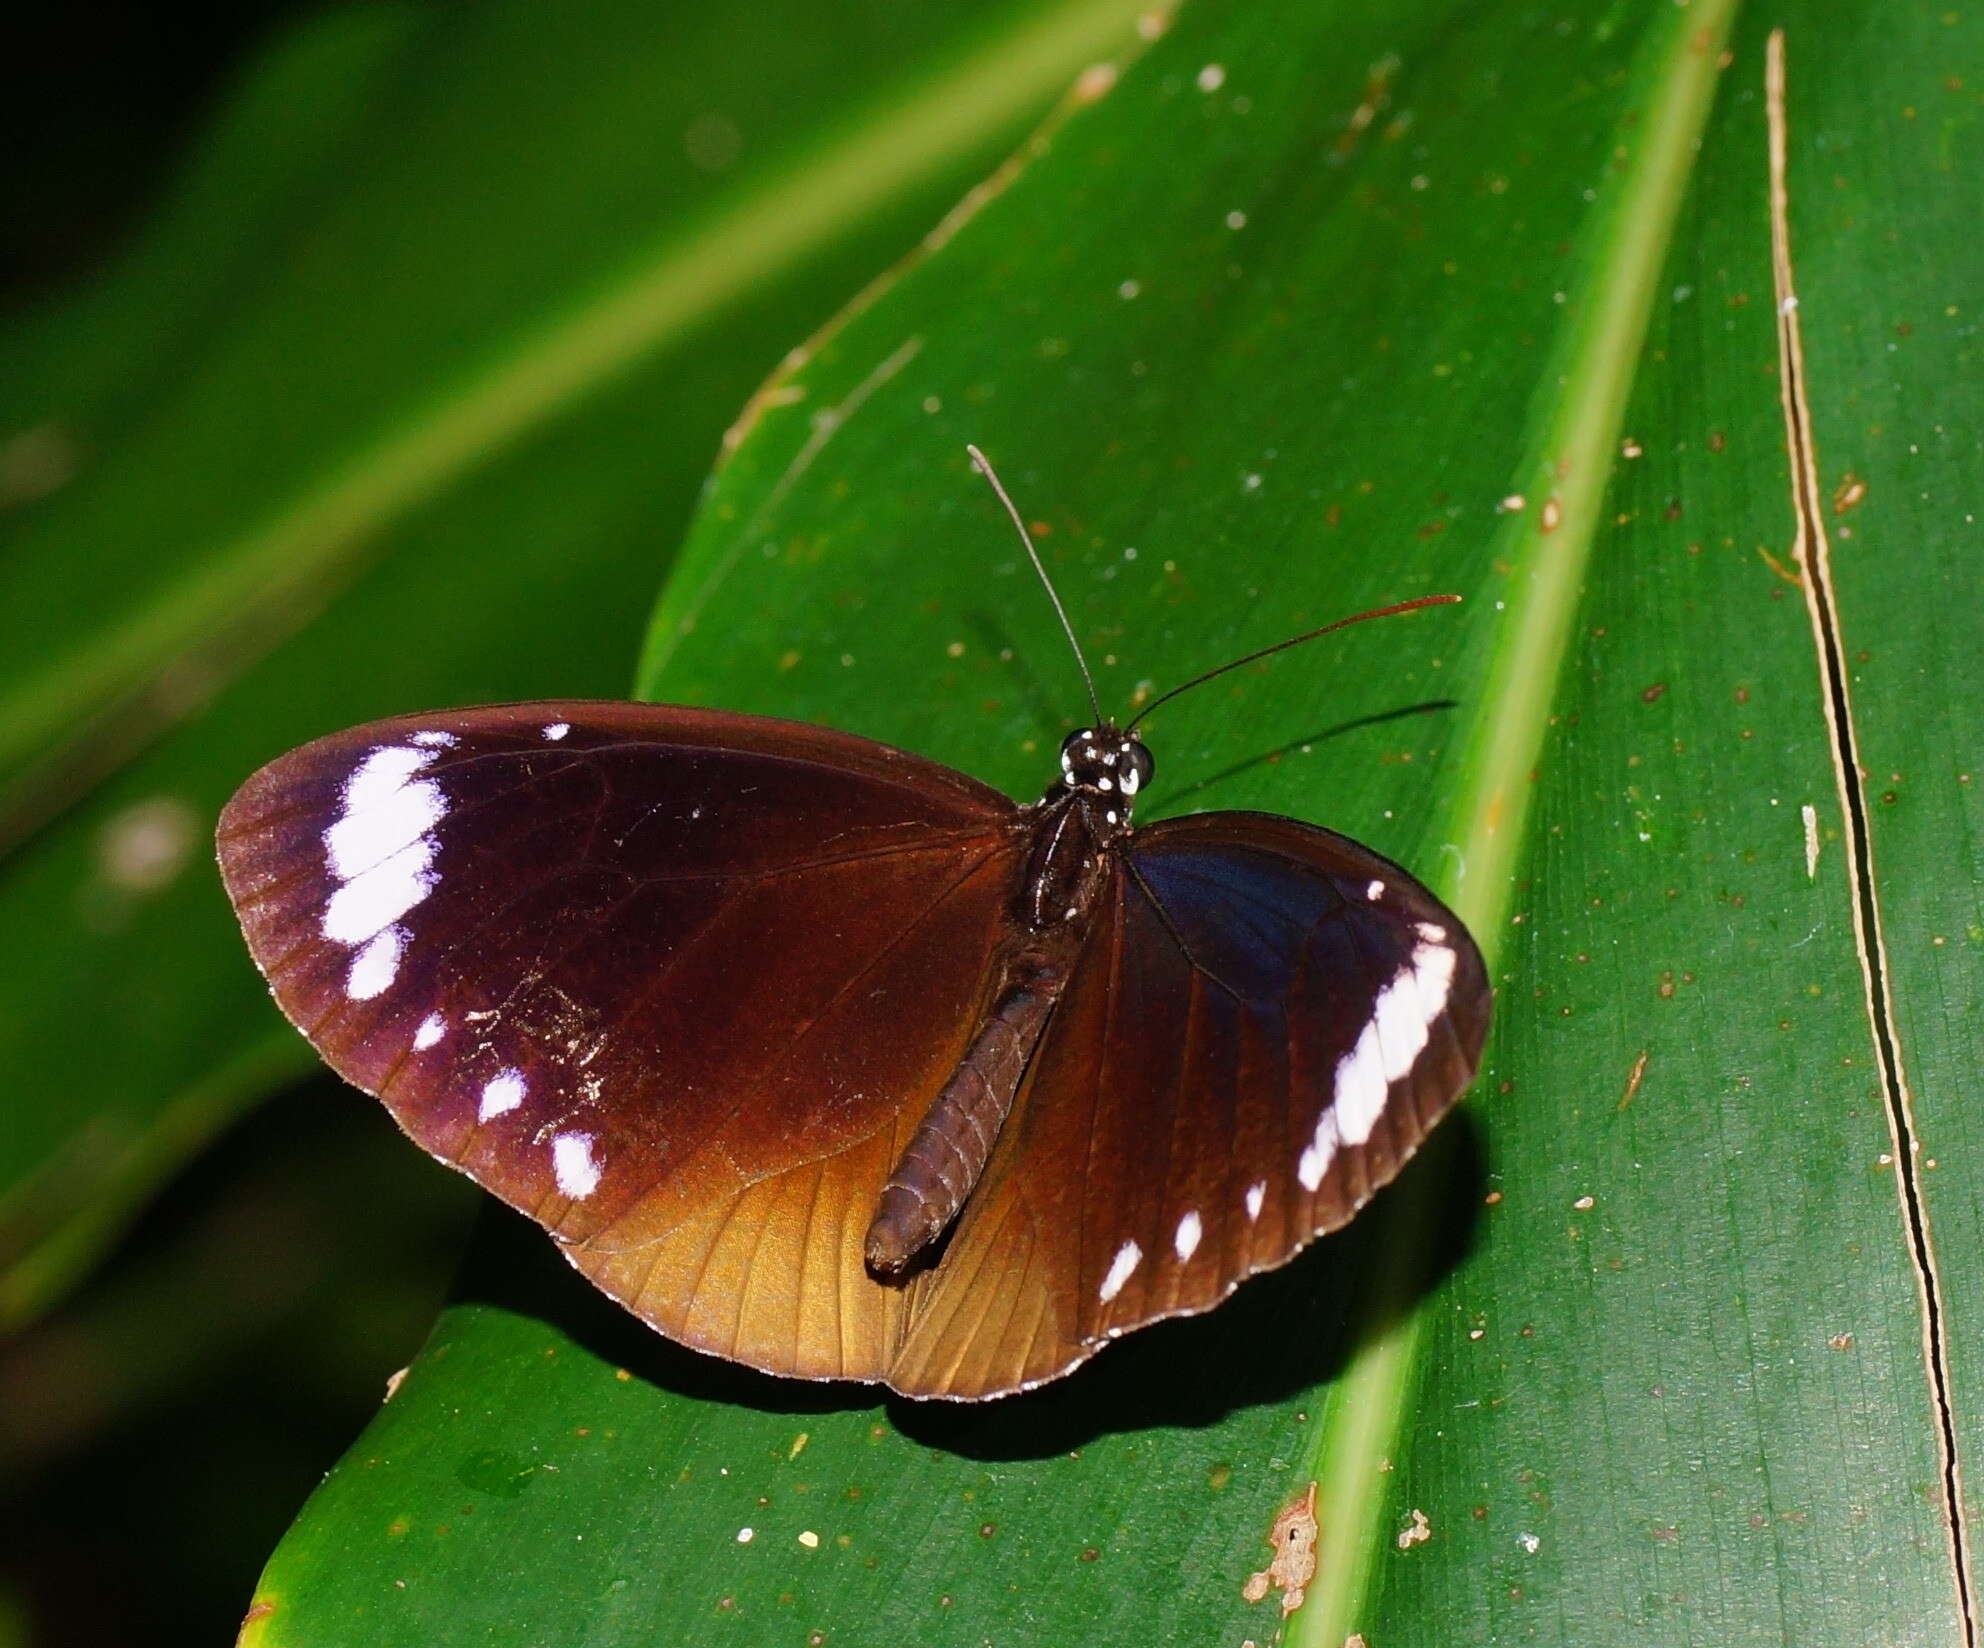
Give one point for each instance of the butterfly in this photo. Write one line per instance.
(822, 1057)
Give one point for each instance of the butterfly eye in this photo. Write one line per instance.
(1082, 753)
(1138, 764)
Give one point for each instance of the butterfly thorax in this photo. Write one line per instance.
(1077, 820)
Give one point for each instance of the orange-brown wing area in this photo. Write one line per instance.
(1265, 1021)
(674, 983)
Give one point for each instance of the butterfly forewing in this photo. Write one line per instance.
(675, 983)
(1266, 1020)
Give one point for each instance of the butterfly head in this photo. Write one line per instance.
(1106, 764)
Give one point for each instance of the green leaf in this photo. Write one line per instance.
(1296, 313)
(466, 397)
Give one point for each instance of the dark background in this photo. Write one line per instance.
(96, 104)
(159, 1429)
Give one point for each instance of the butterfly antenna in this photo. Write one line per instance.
(984, 466)
(1292, 641)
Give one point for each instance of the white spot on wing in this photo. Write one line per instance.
(501, 1094)
(386, 824)
(1256, 1195)
(375, 966)
(1360, 1084)
(381, 852)
(381, 895)
(1375, 891)
(382, 772)
(435, 740)
(1315, 1161)
(1390, 1044)
(1131, 782)
(572, 1164)
(1128, 1257)
(432, 1029)
(557, 730)
(1186, 1242)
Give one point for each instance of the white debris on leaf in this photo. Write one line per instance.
(1293, 1539)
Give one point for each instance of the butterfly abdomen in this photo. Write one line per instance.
(950, 1147)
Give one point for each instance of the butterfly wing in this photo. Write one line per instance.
(677, 984)
(1265, 1021)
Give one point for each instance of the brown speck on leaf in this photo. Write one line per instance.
(1095, 82)
(1293, 1539)
(1091, 1554)
(1493, 1197)
(1788, 574)
(1415, 1532)
(1652, 694)
(260, 1611)
(1849, 492)
(1841, 1341)
(393, 1383)
(1717, 440)
(1553, 515)
(1633, 1078)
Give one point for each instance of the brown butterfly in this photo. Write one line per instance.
(831, 1060)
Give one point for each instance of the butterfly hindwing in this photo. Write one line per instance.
(1265, 1021)
(676, 984)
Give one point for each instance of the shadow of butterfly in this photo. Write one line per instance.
(831, 1060)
